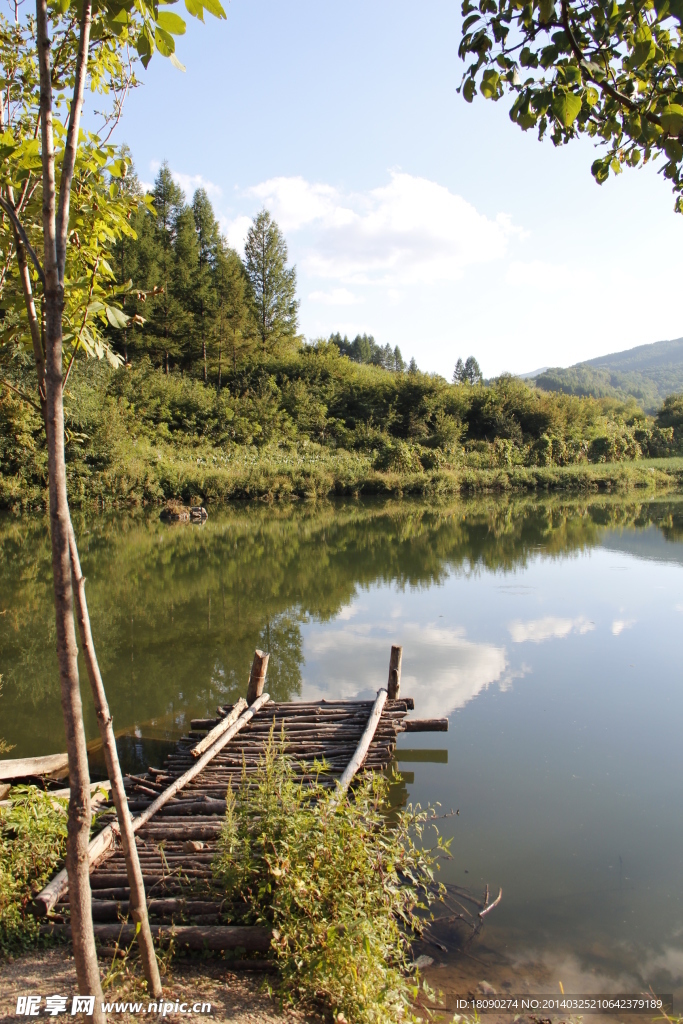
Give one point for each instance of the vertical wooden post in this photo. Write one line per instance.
(257, 676)
(394, 684)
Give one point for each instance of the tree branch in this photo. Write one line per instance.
(71, 148)
(19, 228)
(620, 97)
(21, 394)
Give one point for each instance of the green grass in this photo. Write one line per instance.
(314, 424)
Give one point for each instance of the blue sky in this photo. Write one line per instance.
(431, 224)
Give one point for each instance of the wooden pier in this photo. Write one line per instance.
(178, 808)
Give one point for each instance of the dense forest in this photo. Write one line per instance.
(649, 374)
(218, 395)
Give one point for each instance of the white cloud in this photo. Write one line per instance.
(236, 231)
(549, 628)
(544, 277)
(189, 183)
(452, 669)
(411, 231)
(619, 625)
(336, 297)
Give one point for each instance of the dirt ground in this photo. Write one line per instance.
(236, 997)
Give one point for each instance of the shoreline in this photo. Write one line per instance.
(266, 480)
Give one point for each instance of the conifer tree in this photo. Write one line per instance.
(158, 237)
(273, 283)
(235, 326)
(204, 288)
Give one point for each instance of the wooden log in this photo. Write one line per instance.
(99, 846)
(257, 676)
(222, 727)
(425, 725)
(394, 684)
(23, 767)
(361, 750)
(217, 937)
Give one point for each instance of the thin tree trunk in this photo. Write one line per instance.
(137, 903)
(79, 815)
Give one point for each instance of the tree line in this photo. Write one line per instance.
(203, 307)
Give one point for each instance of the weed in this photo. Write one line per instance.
(32, 847)
(345, 891)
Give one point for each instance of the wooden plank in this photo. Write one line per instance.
(425, 725)
(99, 846)
(361, 750)
(251, 937)
(222, 727)
(20, 767)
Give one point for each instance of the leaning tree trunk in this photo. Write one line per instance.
(137, 900)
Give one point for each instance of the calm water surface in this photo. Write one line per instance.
(548, 633)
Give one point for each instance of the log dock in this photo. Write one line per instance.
(178, 808)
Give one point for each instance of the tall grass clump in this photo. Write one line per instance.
(32, 847)
(345, 890)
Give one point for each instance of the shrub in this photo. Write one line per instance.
(32, 847)
(342, 888)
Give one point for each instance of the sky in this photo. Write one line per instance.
(411, 215)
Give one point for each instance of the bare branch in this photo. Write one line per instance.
(71, 147)
(19, 228)
(21, 394)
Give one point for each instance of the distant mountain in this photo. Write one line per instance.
(533, 373)
(647, 373)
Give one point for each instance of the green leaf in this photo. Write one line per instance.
(674, 150)
(672, 119)
(489, 84)
(195, 9)
(172, 23)
(644, 46)
(592, 96)
(164, 40)
(566, 107)
(214, 7)
(176, 63)
(116, 317)
(547, 10)
(468, 89)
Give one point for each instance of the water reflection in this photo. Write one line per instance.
(548, 631)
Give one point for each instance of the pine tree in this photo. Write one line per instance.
(166, 241)
(273, 283)
(208, 246)
(126, 262)
(235, 327)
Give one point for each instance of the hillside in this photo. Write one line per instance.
(648, 373)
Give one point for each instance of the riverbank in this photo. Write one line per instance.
(237, 998)
(151, 475)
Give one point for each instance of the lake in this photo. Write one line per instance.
(548, 631)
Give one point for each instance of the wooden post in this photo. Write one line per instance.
(257, 676)
(394, 684)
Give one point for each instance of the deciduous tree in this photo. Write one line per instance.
(608, 70)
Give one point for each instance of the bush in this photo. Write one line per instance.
(32, 847)
(344, 889)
